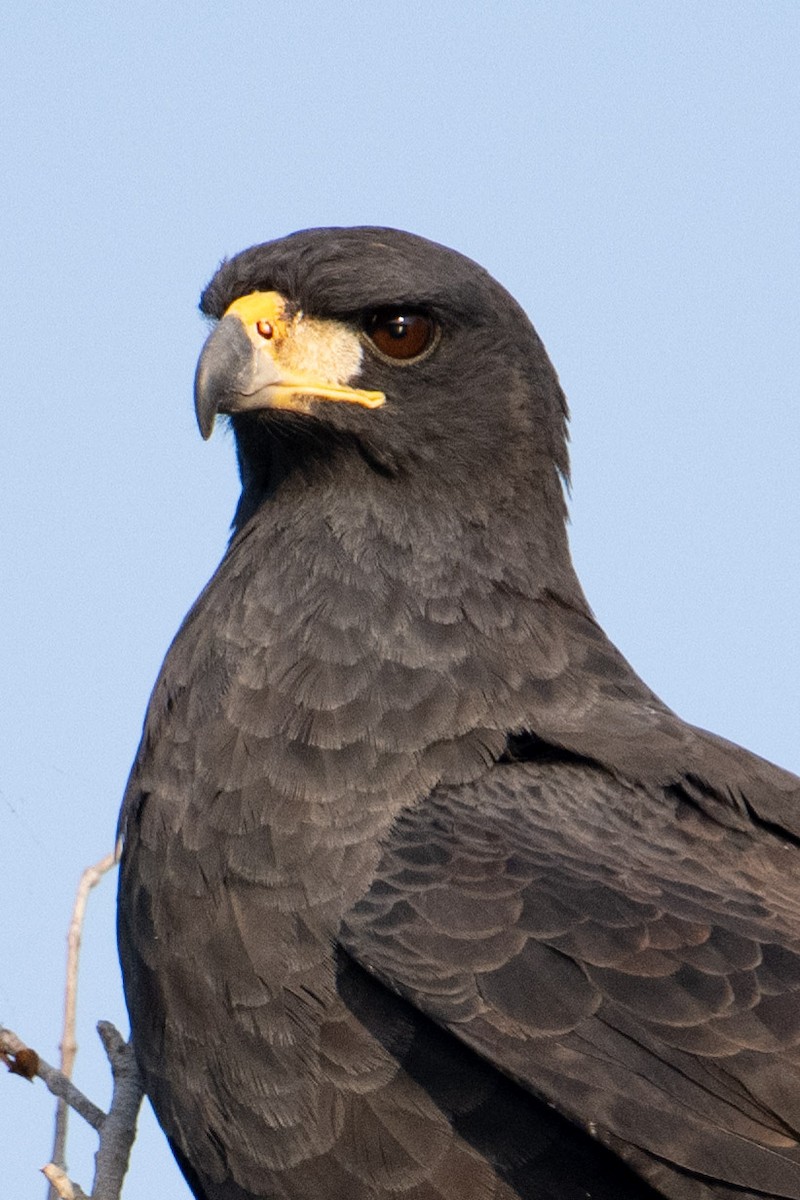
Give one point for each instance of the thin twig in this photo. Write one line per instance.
(69, 1047)
(89, 879)
(12, 1047)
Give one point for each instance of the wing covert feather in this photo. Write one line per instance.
(613, 949)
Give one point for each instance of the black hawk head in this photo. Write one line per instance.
(378, 343)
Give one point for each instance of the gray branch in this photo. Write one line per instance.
(116, 1129)
(54, 1080)
(119, 1127)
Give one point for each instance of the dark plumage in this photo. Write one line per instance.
(424, 894)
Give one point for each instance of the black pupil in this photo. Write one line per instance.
(397, 327)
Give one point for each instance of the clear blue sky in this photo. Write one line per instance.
(631, 172)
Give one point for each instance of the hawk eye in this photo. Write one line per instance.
(401, 333)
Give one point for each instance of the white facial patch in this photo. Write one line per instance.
(323, 349)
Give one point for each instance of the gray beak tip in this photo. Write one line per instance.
(224, 368)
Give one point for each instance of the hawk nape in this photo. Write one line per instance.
(424, 894)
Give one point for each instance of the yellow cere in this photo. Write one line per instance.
(260, 306)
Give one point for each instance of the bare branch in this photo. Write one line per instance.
(119, 1128)
(69, 1046)
(89, 879)
(12, 1046)
(116, 1130)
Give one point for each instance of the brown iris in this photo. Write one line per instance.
(400, 333)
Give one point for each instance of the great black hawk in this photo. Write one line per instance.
(424, 894)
